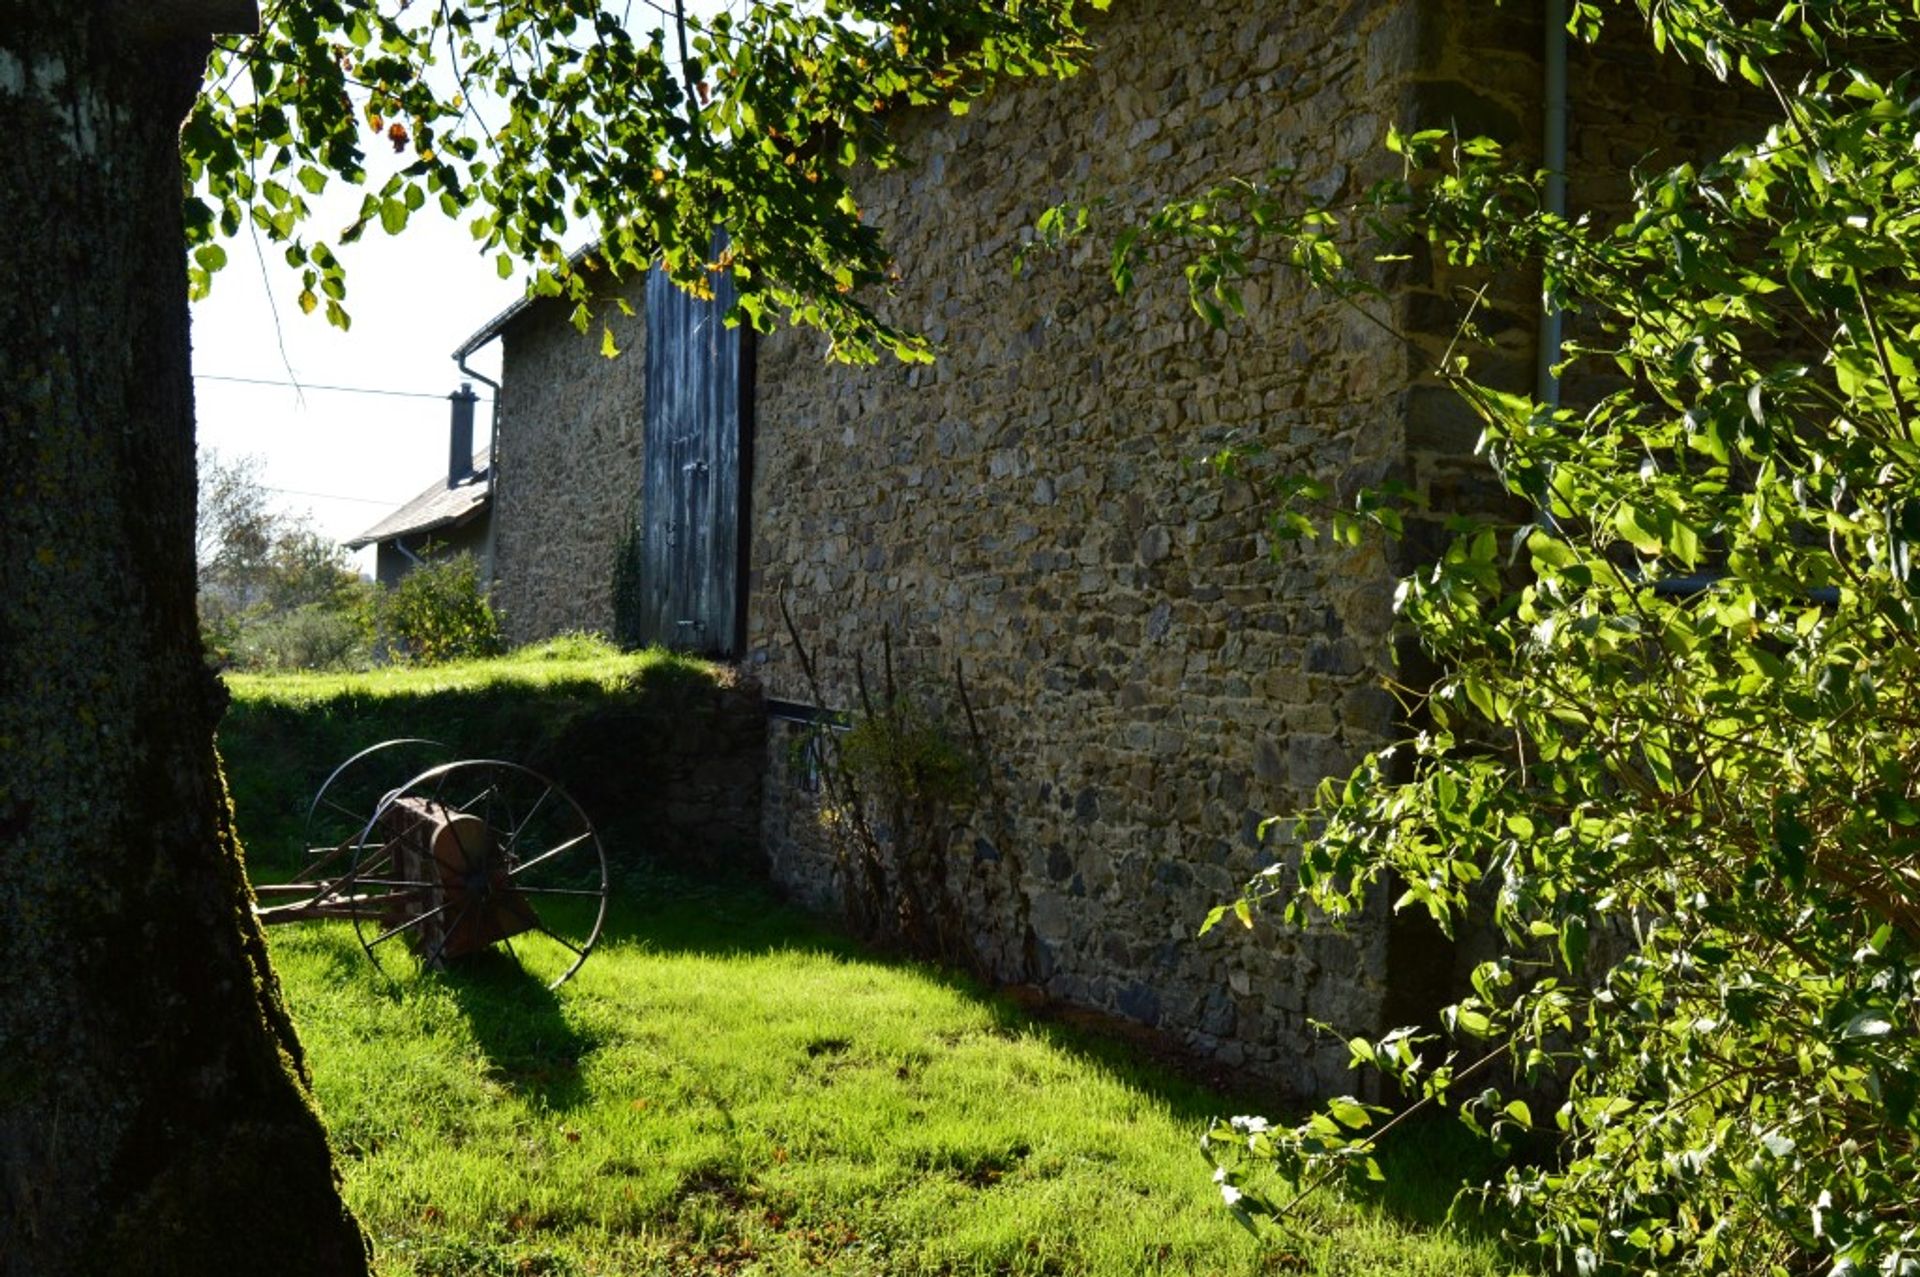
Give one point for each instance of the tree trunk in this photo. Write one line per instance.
(154, 1107)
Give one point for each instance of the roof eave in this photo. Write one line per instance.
(431, 525)
(495, 326)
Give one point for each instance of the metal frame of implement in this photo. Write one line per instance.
(467, 855)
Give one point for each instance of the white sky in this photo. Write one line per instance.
(348, 459)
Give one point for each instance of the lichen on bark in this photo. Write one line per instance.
(155, 1115)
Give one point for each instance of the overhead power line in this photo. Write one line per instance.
(308, 385)
(328, 496)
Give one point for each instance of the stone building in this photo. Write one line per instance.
(1150, 677)
(452, 516)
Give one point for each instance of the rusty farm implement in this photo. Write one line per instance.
(465, 856)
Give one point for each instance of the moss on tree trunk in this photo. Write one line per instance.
(154, 1108)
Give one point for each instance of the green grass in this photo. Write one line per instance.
(569, 662)
(729, 1088)
(284, 733)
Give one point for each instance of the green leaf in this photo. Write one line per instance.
(1684, 543)
(1350, 1113)
(1472, 1022)
(1627, 521)
(1573, 944)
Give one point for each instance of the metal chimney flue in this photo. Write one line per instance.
(460, 440)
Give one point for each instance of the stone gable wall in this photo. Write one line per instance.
(571, 460)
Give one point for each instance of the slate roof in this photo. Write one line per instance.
(437, 507)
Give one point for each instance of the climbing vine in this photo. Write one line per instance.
(629, 580)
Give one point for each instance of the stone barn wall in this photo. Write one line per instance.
(570, 457)
(1151, 678)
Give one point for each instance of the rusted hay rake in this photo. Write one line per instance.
(467, 855)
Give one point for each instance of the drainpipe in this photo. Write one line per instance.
(493, 461)
(1553, 158)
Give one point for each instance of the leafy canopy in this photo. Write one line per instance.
(640, 126)
(1674, 757)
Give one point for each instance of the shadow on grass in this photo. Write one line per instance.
(717, 917)
(530, 1046)
(673, 915)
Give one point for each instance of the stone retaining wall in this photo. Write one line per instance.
(673, 771)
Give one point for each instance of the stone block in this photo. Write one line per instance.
(1139, 1001)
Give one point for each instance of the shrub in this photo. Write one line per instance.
(896, 778)
(439, 612)
(313, 637)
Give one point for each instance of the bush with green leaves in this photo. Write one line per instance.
(1674, 755)
(439, 612)
(310, 637)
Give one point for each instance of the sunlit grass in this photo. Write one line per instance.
(576, 659)
(727, 1088)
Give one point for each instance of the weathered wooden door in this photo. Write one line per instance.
(692, 505)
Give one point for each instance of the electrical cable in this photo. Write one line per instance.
(307, 385)
(329, 496)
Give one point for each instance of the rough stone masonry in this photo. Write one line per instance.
(1152, 677)
(1152, 680)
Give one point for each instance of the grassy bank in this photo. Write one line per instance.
(729, 1087)
(563, 664)
(575, 708)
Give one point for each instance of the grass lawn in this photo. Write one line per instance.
(728, 1088)
(571, 661)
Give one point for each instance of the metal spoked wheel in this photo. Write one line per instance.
(477, 853)
(338, 812)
